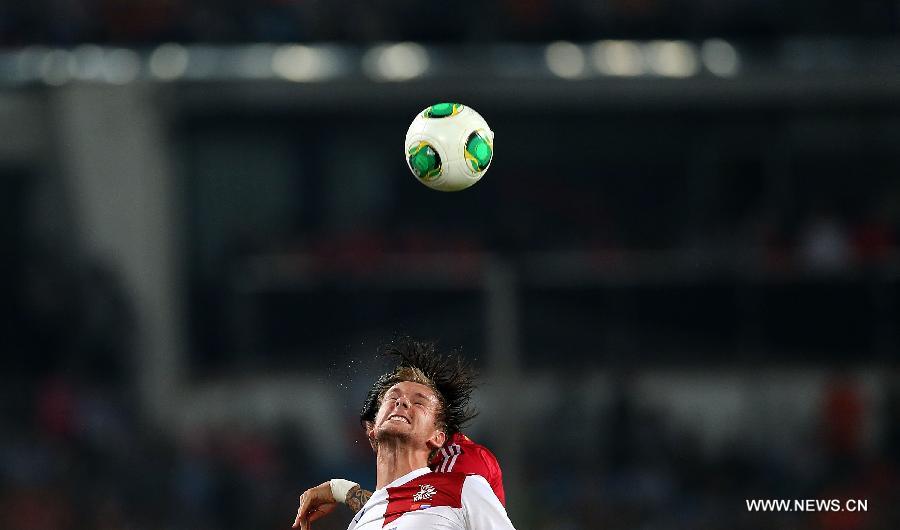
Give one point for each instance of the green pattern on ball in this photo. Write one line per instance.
(443, 110)
(425, 162)
(478, 151)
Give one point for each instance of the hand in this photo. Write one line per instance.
(315, 503)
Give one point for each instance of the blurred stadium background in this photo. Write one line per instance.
(680, 278)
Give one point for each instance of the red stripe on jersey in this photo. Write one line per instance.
(430, 489)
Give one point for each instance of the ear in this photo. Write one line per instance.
(437, 440)
(370, 433)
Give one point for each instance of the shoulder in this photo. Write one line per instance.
(467, 457)
(466, 444)
(484, 454)
(460, 453)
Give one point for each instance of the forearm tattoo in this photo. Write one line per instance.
(357, 498)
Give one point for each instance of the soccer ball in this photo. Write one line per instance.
(449, 147)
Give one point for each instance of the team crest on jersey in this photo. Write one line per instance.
(426, 492)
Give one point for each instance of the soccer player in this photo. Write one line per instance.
(459, 453)
(407, 416)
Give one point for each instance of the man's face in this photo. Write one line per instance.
(408, 412)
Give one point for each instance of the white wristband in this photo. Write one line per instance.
(340, 488)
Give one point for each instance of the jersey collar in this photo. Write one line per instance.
(415, 473)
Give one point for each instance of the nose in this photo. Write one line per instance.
(401, 401)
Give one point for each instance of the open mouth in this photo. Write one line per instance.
(397, 417)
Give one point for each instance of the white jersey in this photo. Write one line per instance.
(423, 500)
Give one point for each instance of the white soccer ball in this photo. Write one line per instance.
(449, 147)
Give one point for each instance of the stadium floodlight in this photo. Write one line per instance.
(720, 57)
(168, 62)
(565, 59)
(56, 67)
(203, 62)
(618, 58)
(255, 61)
(121, 66)
(396, 62)
(672, 58)
(300, 63)
(88, 60)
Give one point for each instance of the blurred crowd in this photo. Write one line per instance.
(75, 455)
(75, 451)
(644, 475)
(151, 21)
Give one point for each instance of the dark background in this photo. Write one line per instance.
(680, 277)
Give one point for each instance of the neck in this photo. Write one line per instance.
(395, 459)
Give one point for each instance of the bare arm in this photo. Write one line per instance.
(318, 502)
(357, 498)
(314, 503)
